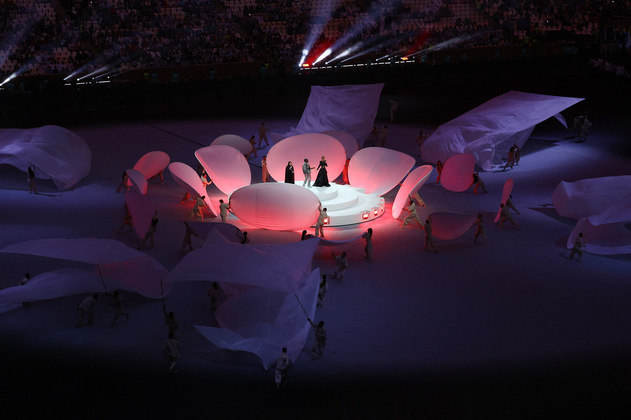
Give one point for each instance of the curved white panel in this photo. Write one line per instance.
(188, 179)
(226, 166)
(378, 170)
(457, 173)
(137, 179)
(232, 140)
(152, 163)
(276, 206)
(410, 186)
(347, 140)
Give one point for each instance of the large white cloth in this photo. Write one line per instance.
(348, 108)
(57, 283)
(263, 321)
(590, 196)
(116, 261)
(278, 267)
(606, 233)
(57, 153)
(488, 131)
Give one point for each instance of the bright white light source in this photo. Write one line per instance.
(324, 55)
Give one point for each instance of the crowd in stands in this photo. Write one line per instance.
(41, 37)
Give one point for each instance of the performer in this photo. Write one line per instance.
(158, 175)
(320, 222)
(322, 289)
(263, 134)
(383, 136)
(150, 232)
(322, 180)
(188, 237)
(509, 204)
(306, 170)
(517, 154)
(206, 181)
(170, 352)
(123, 184)
(345, 172)
(429, 239)
(505, 216)
(86, 308)
(578, 248)
(30, 178)
(510, 160)
(584, 131)
(264, 173)
(243, 237)
(320, 338)
(282, 367)
(198, 208)
(393, 109)
(223, 210)
(576, 125)
(253, 151)
(419, 141)
(412, 215)
(214, 293)
(478, 184)
(418, 199)
(170, 321)
(117, 303)
(368, 248)
(373, 137)
(439, 170)
(25, 280)
(289, 173)
(186, 197)
(342, 265)
(479, 229)
(306, 236)
(127, 221)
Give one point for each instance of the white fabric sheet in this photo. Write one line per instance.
(263, 321)
(117, 262)
(57, 153)
(278, 267)
(488, 131)
(591, 196)
(348, 108)
(606, 233)
(56, 284)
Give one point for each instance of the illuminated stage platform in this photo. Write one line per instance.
(347, 205)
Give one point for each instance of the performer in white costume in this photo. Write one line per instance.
(412, 215)
(320, 223)
(282, 367)
(342, 265)
(223, 210)
(198, 208)
(306, 170)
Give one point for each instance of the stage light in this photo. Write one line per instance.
(375, 212)
(365, 216)
(404, 58)
(324, 55)
(305, 65)
(8, 79)
(326, 221)
(95, 72)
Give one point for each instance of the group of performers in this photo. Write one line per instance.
(322, 179)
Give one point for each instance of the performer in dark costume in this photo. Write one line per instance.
(322, 180)
(289, 173)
